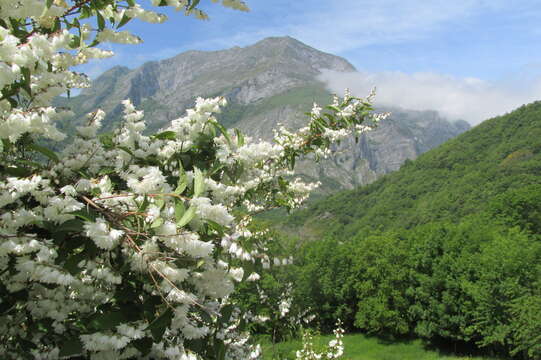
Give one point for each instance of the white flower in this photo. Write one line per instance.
(236, 273)
(316, 111)
(253, 277)
(190, 244)
(149, 16)
(217, 213)
(167, 229)
(120, 37)
(103, 236)
(144, 180)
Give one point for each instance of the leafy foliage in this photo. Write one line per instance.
(460, 177)
(447, 248)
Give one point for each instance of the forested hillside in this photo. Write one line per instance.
(461, 177)
(447, 248)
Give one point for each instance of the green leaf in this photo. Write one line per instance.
(219, 349)
(6, 145)
(101, 21)
(182, 183)
(48, 3)
(144, 345)
(25, 344)
(125, 19)
(195, 345)
(159, 202)
(240, 137)
(26, 80)
(86, 214)
(45, 151)
(17, 28)
(107, 171)
(85, 13)
(157, 223)
(292, 163)
(226, 314)
(12, 101)
(149, 307)
(193, 5)
(71, 347)
(224, 132)
(205, 316)
(216, 167)
(106, 140)
(17, 171)
(158, 326)
(83, 174)
(198, 183)
(57, 26)
(126, 150)
(187, 217)
(71, 264)
(180, 209)
(144, 204)
(31, 164)
(215, 226)
(333, 108)
(107, 320)
(166, 135)
(91, 250)
(73, 225)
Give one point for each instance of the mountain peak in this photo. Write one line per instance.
(291, 49)
(280, 40)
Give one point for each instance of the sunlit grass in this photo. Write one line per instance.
(360, 347)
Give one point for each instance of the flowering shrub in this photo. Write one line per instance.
(333, 350)
(122, 245)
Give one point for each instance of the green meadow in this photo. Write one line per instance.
(361, 347)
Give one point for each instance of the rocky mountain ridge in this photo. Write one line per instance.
(274, 81)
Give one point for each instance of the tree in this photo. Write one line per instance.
(123, 245)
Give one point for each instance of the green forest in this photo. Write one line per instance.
(446, 249)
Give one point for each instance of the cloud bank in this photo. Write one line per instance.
(470, 99)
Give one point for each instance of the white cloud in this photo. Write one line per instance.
(348, 25)
(470, 99)
(345, 25)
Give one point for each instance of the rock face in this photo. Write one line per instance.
(271, 82)
(404, 135)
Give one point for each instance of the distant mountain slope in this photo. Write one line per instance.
(458, 178)
(273, 81)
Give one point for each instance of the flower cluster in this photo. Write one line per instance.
(333, 350)
(140, 211)
(129, 245)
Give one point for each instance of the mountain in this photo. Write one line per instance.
(271, 82)
(459, 178)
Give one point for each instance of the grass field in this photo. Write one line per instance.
(360, 347)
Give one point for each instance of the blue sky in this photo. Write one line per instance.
(487, 44)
